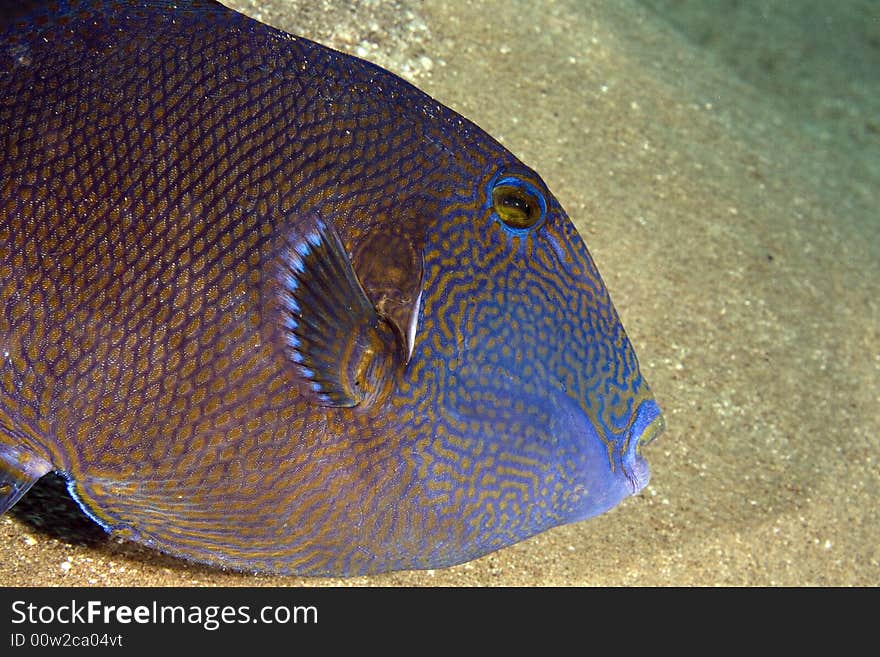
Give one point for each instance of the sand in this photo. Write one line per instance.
(726, 182)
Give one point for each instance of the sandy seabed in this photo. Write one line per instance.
(733, 215)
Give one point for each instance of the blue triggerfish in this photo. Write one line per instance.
(269, 307)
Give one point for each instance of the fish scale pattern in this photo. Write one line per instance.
(157, 157)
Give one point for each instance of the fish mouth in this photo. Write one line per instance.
(606, 478)
(649, 424)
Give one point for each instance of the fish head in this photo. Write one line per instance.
(476, 336)
(538, 398)
(461, 323)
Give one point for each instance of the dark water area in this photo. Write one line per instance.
(817, 62)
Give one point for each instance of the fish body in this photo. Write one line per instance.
(269, 307)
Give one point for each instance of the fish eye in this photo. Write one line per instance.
(518, 203)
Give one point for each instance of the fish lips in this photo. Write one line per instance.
(648, 425)
(609, 475)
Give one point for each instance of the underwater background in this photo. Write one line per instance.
(722, 161)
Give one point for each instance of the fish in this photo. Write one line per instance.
(268, 307)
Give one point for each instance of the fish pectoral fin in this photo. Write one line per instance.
(19, 470)
(343, 353)
(390, 266)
